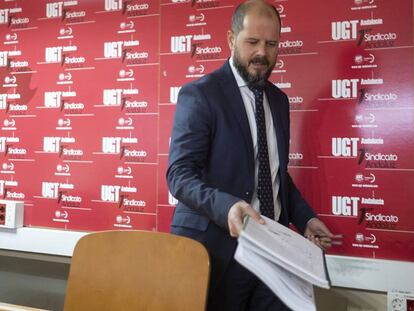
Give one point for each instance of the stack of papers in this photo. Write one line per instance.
(284, 260)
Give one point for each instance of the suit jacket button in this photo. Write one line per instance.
(247, 193)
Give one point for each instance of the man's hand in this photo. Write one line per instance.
(236, 215)
(318, 233)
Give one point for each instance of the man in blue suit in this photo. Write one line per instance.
(229, 156)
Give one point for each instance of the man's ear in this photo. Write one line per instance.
(231, 39)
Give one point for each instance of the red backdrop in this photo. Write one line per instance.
(88, 92)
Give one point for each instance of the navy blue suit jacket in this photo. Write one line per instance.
(211, 163)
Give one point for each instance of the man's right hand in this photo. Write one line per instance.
(236, 215)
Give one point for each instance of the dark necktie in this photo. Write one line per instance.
(264, 187)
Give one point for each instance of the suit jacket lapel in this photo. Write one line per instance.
(235, 102)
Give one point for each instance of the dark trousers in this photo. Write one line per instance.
(232, 287)
(240, 290)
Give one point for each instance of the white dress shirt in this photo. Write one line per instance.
(249, 104)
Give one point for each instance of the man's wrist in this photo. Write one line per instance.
(310, 221)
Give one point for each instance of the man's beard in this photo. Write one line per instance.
(257, 80)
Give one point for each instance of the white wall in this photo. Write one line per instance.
(40, 281)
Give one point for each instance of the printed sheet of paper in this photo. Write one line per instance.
(284, 260)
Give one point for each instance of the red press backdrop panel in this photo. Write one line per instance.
(88, 93)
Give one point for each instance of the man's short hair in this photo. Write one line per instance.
(243, 8)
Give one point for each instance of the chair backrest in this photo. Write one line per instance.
(135, 270)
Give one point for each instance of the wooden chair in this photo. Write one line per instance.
(134, 270)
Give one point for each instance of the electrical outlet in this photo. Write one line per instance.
(11, 214)
(2, 214)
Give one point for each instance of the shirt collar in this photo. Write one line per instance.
(239, 79)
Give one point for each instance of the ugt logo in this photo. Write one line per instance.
(364, 211)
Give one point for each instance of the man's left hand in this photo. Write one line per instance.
(318, 233)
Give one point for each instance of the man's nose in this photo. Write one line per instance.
(261, 49)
